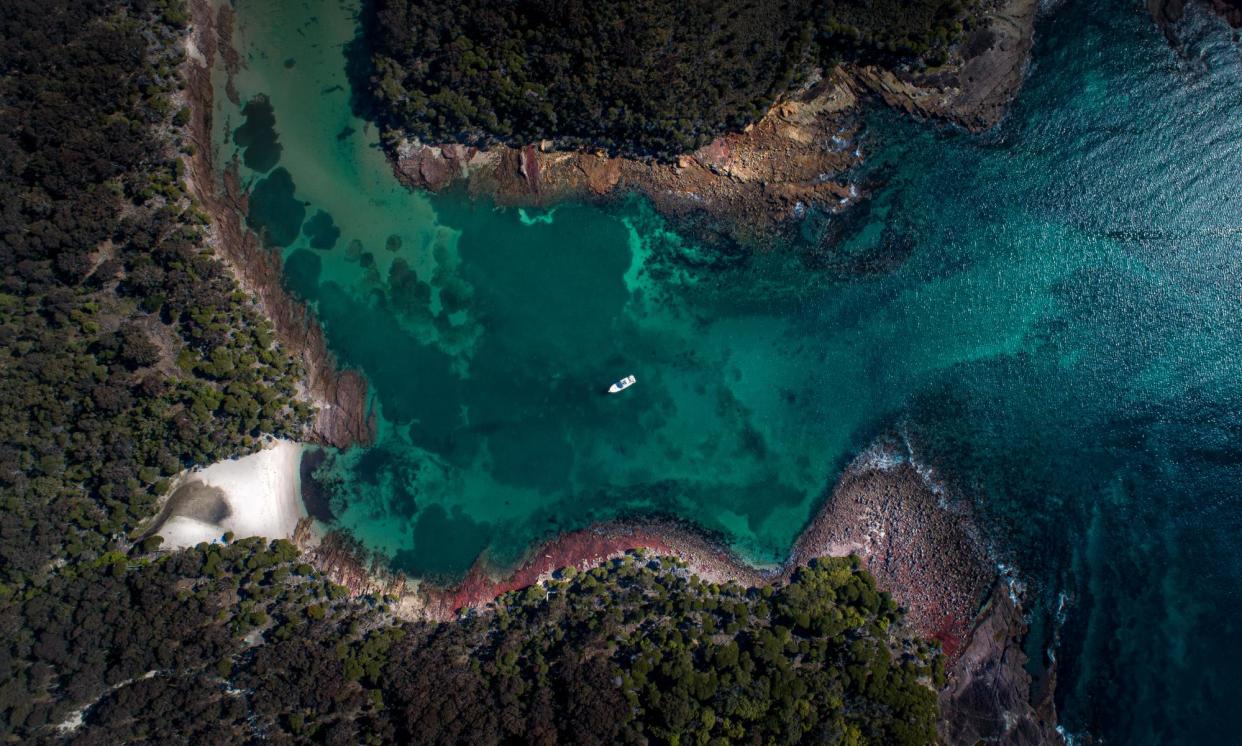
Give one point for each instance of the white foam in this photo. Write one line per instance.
(881, 455)
(925, 471)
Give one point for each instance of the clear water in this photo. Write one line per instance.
(1051, 310)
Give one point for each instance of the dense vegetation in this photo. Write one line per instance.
(628, 654)
(146, 636)
(645, 77)
(127, 350)
(236, 643)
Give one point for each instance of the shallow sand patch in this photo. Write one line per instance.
(256, 495)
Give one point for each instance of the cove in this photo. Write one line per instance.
(1058, 334)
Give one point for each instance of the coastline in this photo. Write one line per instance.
(755, 186)
(342, 417)
(740, 158)
(755, 183)
(974, 90)
(884, 508)
(916, 536)
(911, 533)
(885, 513)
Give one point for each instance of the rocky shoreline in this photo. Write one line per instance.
(752, 183)
(919, 538)
(977, 86)
(916, 536)
(340, 397)
(755, 186)
(921, 548)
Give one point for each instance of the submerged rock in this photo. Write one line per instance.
(1167, 13)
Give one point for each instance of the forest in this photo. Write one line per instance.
(240, 642)
(638, 78)
(128, 352)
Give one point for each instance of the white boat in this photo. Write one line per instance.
(622, 385)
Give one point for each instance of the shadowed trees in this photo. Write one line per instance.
(638, 77)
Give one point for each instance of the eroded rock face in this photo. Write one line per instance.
(989, 696)
(976, 88)
(342, 418)
(759, 182)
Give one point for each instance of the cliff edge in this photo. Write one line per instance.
(760, 182)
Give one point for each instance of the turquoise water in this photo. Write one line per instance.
(1050, 311)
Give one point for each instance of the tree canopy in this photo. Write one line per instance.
(235, 643)
(636, 77)
(127, 351)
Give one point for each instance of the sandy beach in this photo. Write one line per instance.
(256, 495)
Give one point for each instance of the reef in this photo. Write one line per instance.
(1167, 13)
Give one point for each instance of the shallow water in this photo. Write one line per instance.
(1049, 311)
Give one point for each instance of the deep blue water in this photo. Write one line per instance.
(1107, 452)
(1051, 310)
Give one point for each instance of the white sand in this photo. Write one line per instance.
(263, 492)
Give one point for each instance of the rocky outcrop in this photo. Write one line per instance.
(342, 418)
(758, 183)
(921, 549)
(989, 697)
(342, 560)
(975, 88)
(756, 180)
(921, 543)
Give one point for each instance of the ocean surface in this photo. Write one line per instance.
(1051, 313)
